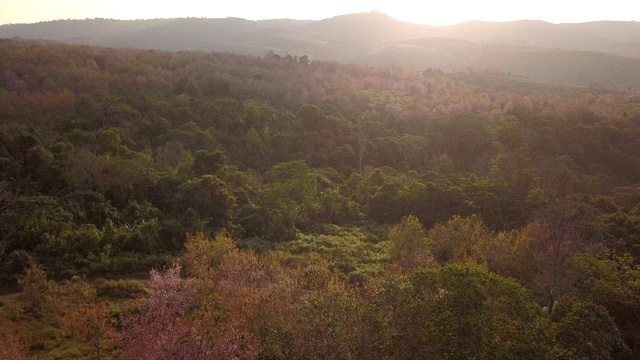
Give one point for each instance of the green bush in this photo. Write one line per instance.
(122, 288)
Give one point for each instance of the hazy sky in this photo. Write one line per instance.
(442, 12)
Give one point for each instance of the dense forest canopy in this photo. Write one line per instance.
(300, 209)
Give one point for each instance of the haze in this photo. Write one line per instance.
(433, 13)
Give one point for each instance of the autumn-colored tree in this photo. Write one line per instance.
(205, 254)
(13, 341)
(38, 293)
(458, 239)
(555, 240)
(91, 323)
(85, 317)
(409, 245)
(157, 331)
(166, 329)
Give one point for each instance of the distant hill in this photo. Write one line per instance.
(579, 67)
(605, 36)
(164, 34)
(603, 53)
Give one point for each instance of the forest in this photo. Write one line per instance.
(198, 205)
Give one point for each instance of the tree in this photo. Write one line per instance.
(458, 311)
(458, 239)
(292, 191)
(208, 162)
(586, 331)
(303, 60)
(611, 280)
(156, 332)
(311, 119)
(13, 343)
(409, 245)
(209, 197)
(553, 244)
(363, 140)
(36, 224)
(204, 254)
(84, 317)
(171, 326)
(38, 293)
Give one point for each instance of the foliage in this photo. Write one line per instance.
(587, 331)
(409, 245)
(161, 332)
(12, 341)
(358, 212)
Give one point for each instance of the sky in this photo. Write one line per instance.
(441, 12)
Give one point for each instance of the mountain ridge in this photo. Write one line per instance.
(608, 52)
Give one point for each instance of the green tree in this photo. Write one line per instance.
(291, 189)
(586, 331)
(208, 162)
(209, 197)
(311, 118)
(459, 311)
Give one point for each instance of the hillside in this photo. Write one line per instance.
(594, 69)
(600, 53)
(287, 209)
(166, 34)
(605, 36)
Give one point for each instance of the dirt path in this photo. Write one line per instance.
(13, 296)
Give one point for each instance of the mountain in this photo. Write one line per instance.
(165, 34)
(605, 53)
